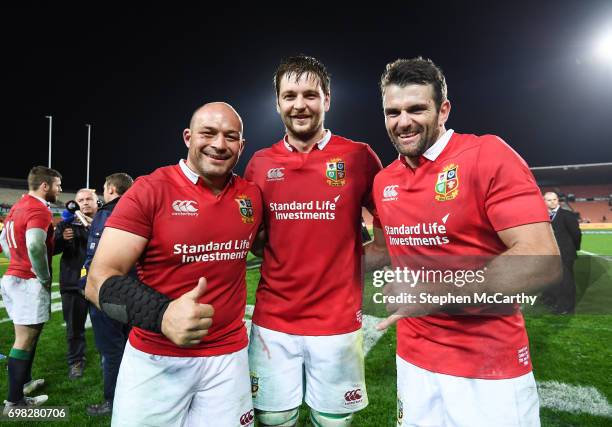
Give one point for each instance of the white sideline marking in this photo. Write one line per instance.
(607, 258)
(573, 398)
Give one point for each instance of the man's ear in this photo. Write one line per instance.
(187, 137)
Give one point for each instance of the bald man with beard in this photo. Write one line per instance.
(188, 228)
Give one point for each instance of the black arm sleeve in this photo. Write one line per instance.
(130, 301)
(58, 238)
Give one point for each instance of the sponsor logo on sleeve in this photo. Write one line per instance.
(335, 172)
(447, 184)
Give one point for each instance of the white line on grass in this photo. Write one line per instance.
(607, 258)
(573, 398)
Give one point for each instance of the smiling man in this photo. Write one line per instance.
(450, 196)
(188, 227)
(306, 333)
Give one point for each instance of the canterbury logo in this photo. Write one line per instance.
(184, 206)
(389, 192)
(247, 418)
(351, 396)
(275, 173)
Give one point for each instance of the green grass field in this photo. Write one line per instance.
(572, 356)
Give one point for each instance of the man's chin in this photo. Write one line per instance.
(412, 150)
(303, 133)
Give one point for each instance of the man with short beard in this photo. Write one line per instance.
(306, 332)
(189, 228)
(27, 240)
(454, 200)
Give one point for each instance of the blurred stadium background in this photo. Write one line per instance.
(572, 355)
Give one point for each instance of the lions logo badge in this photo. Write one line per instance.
(245, 207)
(335, 172)
(400, 411)
(254, 384)
(447, 185)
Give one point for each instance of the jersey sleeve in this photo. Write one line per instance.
(135, 210)
(373, 166)
(511, 195)
(38, 218)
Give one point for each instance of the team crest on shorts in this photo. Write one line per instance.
(245, 206)
(254, 385)
(335, 172)
(447, 185)
(400, 411)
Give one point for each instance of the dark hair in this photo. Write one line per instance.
(297, 66)
(121, 181)
(404, 72)
(41, 174)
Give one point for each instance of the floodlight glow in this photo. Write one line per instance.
(603, 47)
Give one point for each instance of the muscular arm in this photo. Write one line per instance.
(37, 252)
(530, 264)
(184, 321)
(4, 243)
(117, 252)
(376, 253)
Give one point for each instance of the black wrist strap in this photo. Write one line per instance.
(127, 300)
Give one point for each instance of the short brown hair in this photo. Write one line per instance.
(121, 181)
(41, 174)
(404, 72)
(297, 66)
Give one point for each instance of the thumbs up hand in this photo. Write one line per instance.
(186, 321)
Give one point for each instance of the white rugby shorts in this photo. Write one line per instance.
(168, 391)
(327, 371)
(426, 398)
(27, 301)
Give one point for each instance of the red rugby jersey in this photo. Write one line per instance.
(28, 212)
(454, 205)
(311, 281)
(192, 233)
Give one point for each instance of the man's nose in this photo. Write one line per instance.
(405, 120)
(219, 143)
(299, 103)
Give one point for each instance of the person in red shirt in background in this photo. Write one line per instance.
(27, 240)
(188, 228)
(449, 200)
(306, 332)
